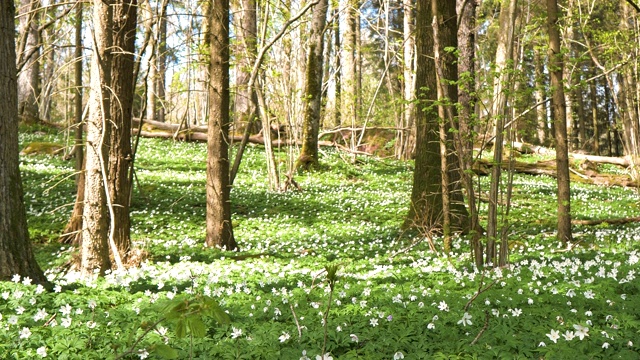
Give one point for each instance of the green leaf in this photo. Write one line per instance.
(181, 329)
(165, 351)
(196, 327)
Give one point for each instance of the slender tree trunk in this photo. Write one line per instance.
(313, 87)
(466, 10)
(578, 94)
(29, 72)
(559, 118)
(95, 242)
(594, 115)
(152, 62)
(348, 62)
(246, 51)
(124, 30)
(504, 53)
(406, 135)
(539, 95)
(219, 228)
(568, 37)
(16, 254)
(72, 233)
(161, 78)
(337, 117)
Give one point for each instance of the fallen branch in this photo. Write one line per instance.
(481, 167)
(484, 328)
(608, 221)
(534, 149)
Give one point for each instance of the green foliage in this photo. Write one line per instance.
(392, 295)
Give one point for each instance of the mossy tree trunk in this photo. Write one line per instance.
(16, 254)
(218, 187)
(313, 88)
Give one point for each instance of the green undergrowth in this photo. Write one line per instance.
(391, 296)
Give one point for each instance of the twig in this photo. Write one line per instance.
(484, 328)
(50, 320)
(297, 323)
(634, 5)
(480, 291)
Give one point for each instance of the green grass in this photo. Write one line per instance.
(392, 296)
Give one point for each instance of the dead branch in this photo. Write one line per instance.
(618, 221)
(484, 328)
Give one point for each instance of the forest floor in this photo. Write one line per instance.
(391, 296)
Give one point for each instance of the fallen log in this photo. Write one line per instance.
(202, 137)
(608, 221)
(534, 149)
(169, 127)
(548, 167)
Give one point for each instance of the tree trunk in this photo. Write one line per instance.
(466, 10)
(219, 228)
(559, 118)
(348, 78)
(425, 210)
(246, 51)
(406, 134)
(594, 115)
(16, 254)
(161, 78)
(72, 233)
(539, 95)
(313, 88)
(504, 53)
(337, 118)
(95, 244)
(124, 35)
(29, 72)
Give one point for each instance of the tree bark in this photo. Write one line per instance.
(72, 233)
(313, 88)
(219, 228)
(16, 254)
(504, 53)
(348, 62)
(425, 209)
(406, 137)
(559, 118)
(246, 102)
(119, 141)
(539, 94)
(95, 246)
(29, 74)
(161, 78)
(466, 10)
